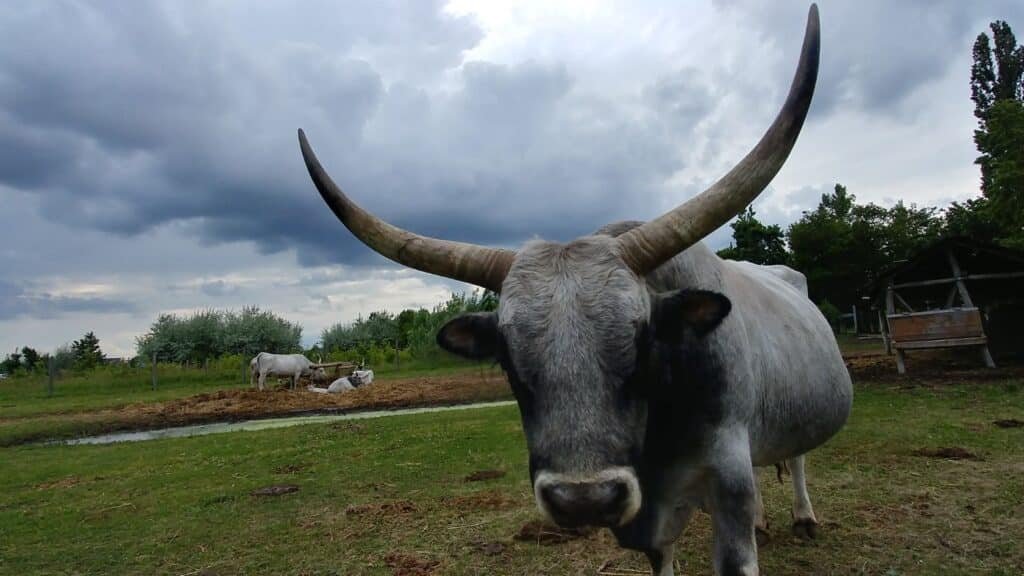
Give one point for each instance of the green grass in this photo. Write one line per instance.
(181, 506)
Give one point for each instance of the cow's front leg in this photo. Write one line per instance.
(654, 532)
(733, 499)
(661, 560)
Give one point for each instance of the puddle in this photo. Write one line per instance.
(265, 424)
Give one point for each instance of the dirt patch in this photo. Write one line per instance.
(543, 533)
(392, 508)
(276, 490)
(482, 475)
(1010, 423)
(948, 453)
(489, 548)
(403, 564)
(61, 483)
(290, 468)
(490, 500)
(928, 368)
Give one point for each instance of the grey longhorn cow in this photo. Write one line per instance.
(652, 377)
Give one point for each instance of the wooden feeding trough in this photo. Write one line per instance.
(335, 370)
(927, 303)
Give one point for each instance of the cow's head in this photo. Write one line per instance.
(575, 321)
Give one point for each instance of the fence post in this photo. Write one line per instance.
(153, 370)
(51, 367)
(397, 365)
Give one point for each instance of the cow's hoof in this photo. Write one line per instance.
(805, 529)
(762, 536)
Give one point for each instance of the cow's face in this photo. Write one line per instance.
(573, 332)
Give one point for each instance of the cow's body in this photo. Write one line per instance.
(776, 385)
(293, 365)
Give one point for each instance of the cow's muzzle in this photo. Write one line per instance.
(608, 498)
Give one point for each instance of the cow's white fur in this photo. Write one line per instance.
(294, 365)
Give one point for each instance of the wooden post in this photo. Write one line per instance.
(883, 326)
(396, 355)
(965, 296)
(960, 286)
(853, 310)
(51, 368)
(890, 308)
(152, 370)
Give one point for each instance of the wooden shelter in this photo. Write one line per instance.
(953, 293)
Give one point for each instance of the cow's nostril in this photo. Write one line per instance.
(620, 493)
(572, 503)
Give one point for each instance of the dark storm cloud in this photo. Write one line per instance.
(876, 53)
(18, 301)
(125, 117)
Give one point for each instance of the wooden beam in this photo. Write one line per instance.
(902, 301)
(945, 343)
(920, 283)
(951, 297)
(883, 326)
(955, 266)
(952, 280)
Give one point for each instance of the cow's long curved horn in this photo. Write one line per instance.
(648, 246)
(485, 267)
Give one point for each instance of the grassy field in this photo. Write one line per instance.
(388, 496)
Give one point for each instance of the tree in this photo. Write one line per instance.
(213, 333)
(841, 245)
(997, 89)
(755, 242)
(87, 351)
(30, 358)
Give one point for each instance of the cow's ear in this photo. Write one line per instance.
(474, 336)
(697, 312)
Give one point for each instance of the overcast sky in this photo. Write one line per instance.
(148, 157)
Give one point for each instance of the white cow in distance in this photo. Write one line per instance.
(355, 380)
(293, 365)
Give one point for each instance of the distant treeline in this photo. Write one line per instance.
(210, 334)
(413, 331)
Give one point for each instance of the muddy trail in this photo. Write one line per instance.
(930, 369)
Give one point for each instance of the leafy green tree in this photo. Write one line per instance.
(30, 358)
(842, 245)
(973, 219)
(87, 351)
(210, 334)
(997, 89)
(755, 242)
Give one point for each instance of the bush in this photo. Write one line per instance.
(831, 314)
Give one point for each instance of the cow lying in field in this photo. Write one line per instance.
(355, 380)
(291, 365)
